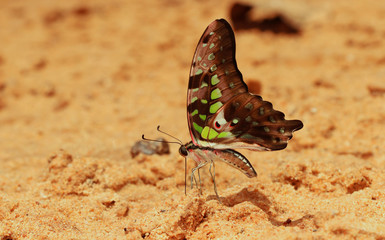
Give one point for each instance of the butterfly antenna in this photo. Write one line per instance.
(162, 141)
(158, 128)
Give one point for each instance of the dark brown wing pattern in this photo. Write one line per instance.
(221, 112)
(254, 123)
(214, 60)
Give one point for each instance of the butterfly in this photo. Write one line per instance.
(222, 114)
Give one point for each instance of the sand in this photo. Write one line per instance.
(81, 81)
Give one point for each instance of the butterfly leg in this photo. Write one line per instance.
(212, 164)
(193, 175)
(199, 187)
(193, 178)
(200, 183)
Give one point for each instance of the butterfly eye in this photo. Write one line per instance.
(183, 151)
(217, 125)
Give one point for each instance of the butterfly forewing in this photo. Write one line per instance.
(214, 61)
(221, 112)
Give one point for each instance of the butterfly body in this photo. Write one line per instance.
(222, 113)
(205, 155)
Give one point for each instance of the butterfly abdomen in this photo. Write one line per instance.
(202, 155)
(236, 160)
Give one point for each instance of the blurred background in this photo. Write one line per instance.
(92, 76)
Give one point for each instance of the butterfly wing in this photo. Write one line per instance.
(214, 59)
(249, 122)
(221, 112)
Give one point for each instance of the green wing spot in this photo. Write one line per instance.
(214, 80)
(194, 99)
(247, 136)
(224, 134)
(212, 45)
(249, 106)
(204, 101)
(211, 56)
(248, 119)
(197, 127)
(267, 129)
(195, 112)
(204, 84)
(195, 89)
(212, 134)
(199, 71)
(213, 68)
(211, 33)
(235, 120)
(227, 72)
(204, 44)
(209, 133)
(214, 107)
(231, 85)
(202, 116)
(199, 58)
(215, 94)
(272, 119)
(205, 132)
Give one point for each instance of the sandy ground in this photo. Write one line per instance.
(81, 81)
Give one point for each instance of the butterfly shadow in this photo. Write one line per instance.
(259, 200)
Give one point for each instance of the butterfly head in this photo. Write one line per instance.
(183, 151)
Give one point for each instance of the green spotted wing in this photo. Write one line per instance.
(221, 112)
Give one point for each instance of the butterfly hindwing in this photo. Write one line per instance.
(249, 122)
